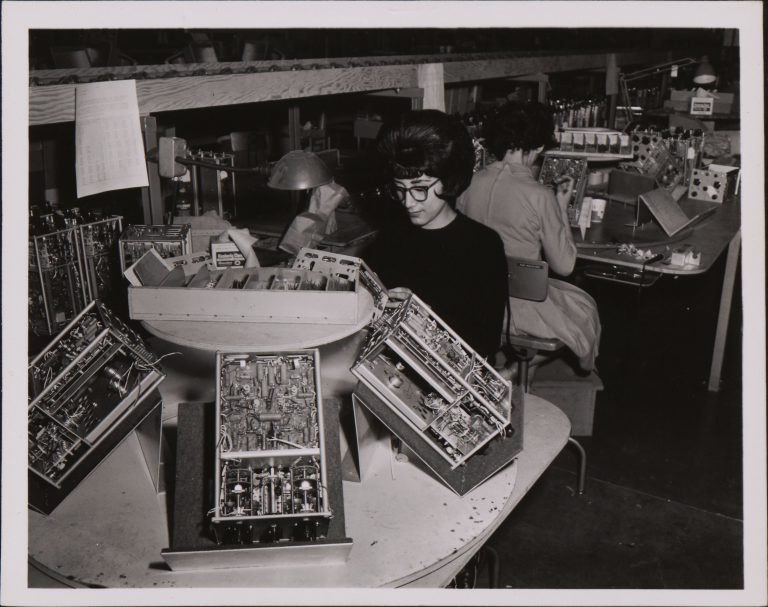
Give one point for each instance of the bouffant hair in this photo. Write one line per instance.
(428, 142)
(523, 126)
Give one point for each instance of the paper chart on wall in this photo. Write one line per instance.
(109, 152)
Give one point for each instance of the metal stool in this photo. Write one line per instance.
(529, 280)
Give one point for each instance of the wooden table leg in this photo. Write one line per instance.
(726, 295)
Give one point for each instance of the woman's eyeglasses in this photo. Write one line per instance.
(418, 192)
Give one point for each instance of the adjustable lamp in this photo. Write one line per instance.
(705, 73)
(299, 170)
(663, 68)
(296, 171)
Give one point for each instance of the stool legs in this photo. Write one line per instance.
(525, 356)
(582, 464)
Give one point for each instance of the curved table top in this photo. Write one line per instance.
(408, 529)
(710, 236)
(258, 336)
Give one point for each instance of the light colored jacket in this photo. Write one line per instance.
(505, 196)
(526, 214)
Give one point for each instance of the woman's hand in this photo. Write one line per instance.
(564, 191)
(397, 296)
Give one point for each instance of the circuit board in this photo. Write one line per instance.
(345, 267)
(57, 290)
(269, 451)
(100, 256)
(168, 240)
(434, 381)
(556, 168)
(89, 378)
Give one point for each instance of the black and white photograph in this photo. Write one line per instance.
(383, 303)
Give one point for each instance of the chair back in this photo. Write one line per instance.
(527, 278)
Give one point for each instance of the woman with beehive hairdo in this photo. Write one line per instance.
(533, 223)
(456, 265)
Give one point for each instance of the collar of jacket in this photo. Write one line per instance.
(514, 168)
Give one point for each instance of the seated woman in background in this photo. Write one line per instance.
(532, 220)
(455, 265)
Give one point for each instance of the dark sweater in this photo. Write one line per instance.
(460, 271)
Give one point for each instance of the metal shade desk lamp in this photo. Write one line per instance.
(295, 171)
(705, 73)
(299, 170)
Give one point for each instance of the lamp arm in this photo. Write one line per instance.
(649, 71)
(263, 170)
(258, 170)
(658, 69)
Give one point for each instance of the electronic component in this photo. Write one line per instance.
(86, 389)
(345, 267)
(555, 168)
(270, 452)
(69, 268)
(594, 143)
(648, 151)
(666, 158)
(190, 263)
(715, 183)
(100, 264)
(168, 240)
(686, 256)
(57, 290)
(435, 382)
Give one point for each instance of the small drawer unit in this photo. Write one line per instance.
(87, 390)
(168, 240)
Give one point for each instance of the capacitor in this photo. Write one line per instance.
(271, 374)
(251, 441)
(269, 417)
(266, 503)
(287, 498)
(283, 372)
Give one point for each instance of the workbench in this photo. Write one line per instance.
(710, 237)
(408, 529)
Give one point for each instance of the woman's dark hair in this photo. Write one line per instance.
(524, 126)
(429, 142)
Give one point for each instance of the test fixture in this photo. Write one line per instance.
(440, 397)
(92, 385)
(168, 240)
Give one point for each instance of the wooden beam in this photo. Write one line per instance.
(462, 71)
(56, 103)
